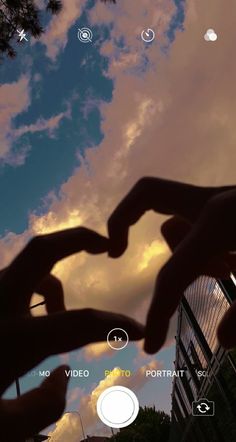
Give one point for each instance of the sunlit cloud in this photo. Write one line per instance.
(88, 403)
(68, 429)
(165, 119)
(15, 99)
(135, 382)
(50, 222)
(156, 248)
(97, 351)
(158, 123)
(42, 125)
(56, 35)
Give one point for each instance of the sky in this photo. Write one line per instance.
(79, 125)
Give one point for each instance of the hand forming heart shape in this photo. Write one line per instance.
(28, 340)
(202, 235)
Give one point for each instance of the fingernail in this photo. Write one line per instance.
(149, 348)
(114, 253)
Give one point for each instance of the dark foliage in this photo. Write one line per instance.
(23, 14)
(150, 426)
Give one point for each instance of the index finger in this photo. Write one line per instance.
(36, 260)
(187, 263)
(58, 333)
(163, 196)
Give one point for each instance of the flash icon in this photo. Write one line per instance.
(22, 35)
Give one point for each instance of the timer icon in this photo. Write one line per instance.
(148, 35)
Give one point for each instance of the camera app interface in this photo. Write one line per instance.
(117, 248)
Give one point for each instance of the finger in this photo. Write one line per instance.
(187, 263)
(176, 229)
(52, 290)
(57, 333)
(38, 258)
(36, 409)
(162, 196)
(226, 332)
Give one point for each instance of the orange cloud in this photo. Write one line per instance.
(87, 409)
(68, 429)
(14, 99)
(97, 351)
(56, 35)
(135, 382)
(129, 18)
(42, 125)
(175, 120)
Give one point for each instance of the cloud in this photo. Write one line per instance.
(74, 395)
(136, 382)
(152, 250)
(97, 351)
(65, 358)
(67, 429)
(14, 99)
(37, 77)
(127, 21)
(40, 4)
(49, 125)
(175, 119)
(56, 36)
(16, 157)
(10, 246)
(70, 421)
(89, 105)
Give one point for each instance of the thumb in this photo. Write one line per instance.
(36, 409)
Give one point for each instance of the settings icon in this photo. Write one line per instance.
(85, 35)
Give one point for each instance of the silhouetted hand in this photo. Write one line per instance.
(27, 340)
(202, 235)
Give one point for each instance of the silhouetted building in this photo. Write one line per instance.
(209, 370)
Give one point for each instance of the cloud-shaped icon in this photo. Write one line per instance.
(210, 35)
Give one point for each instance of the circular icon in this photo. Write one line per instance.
(210, 35)
(85, 35)
(117, 339)
(117, 407)
(148, 35)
